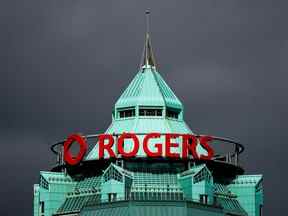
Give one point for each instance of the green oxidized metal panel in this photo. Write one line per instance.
(158, 209)
(115, 211)
(248, 189)
(170, 98)
(142, 125)
(148, 89)
(197, 181)
(52, 191)
(202, 212)
(186, 185)
(151, 209)
(36, 200)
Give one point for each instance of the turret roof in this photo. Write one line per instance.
(148, 89)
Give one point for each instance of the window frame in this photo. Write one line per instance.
(155, 112)
(172, 113)
(127, 110)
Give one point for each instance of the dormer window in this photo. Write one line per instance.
(126, 113)
(150, 111)
(172, 113)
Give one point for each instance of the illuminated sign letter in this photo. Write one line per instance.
(108, 146)
(135, 146)
(68, 157)
(169, 144)
(204, 143)
(158, 146)
(189, 145)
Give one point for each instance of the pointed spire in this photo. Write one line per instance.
(148, 57)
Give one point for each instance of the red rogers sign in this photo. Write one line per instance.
(106, 143)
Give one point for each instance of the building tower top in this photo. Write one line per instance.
(147, 105)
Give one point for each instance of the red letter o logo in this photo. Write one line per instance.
(68, 157)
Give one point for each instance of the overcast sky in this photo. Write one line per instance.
(63, 65)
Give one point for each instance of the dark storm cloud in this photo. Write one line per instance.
(64, 63)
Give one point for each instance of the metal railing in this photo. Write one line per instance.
(159, 197)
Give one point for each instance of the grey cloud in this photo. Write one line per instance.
(63, 64)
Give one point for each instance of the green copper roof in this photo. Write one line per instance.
(194, 170)
(53, 177)
(148, 89)
(142, 125)
(231, 205)
(74, 204)
(247, 180)
(118, 169)
(155, 179)
(146, 92)
(88, 183)
(222, 190)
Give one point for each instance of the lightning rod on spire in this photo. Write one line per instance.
(148, 57)
(147, 12)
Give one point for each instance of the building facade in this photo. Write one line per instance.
(143, 185)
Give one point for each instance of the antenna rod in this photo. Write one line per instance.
(147, 12)
(147, 57)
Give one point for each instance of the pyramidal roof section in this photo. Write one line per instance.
(148, 87)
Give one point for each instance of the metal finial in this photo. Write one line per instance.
(147, 12)
(148, 57)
